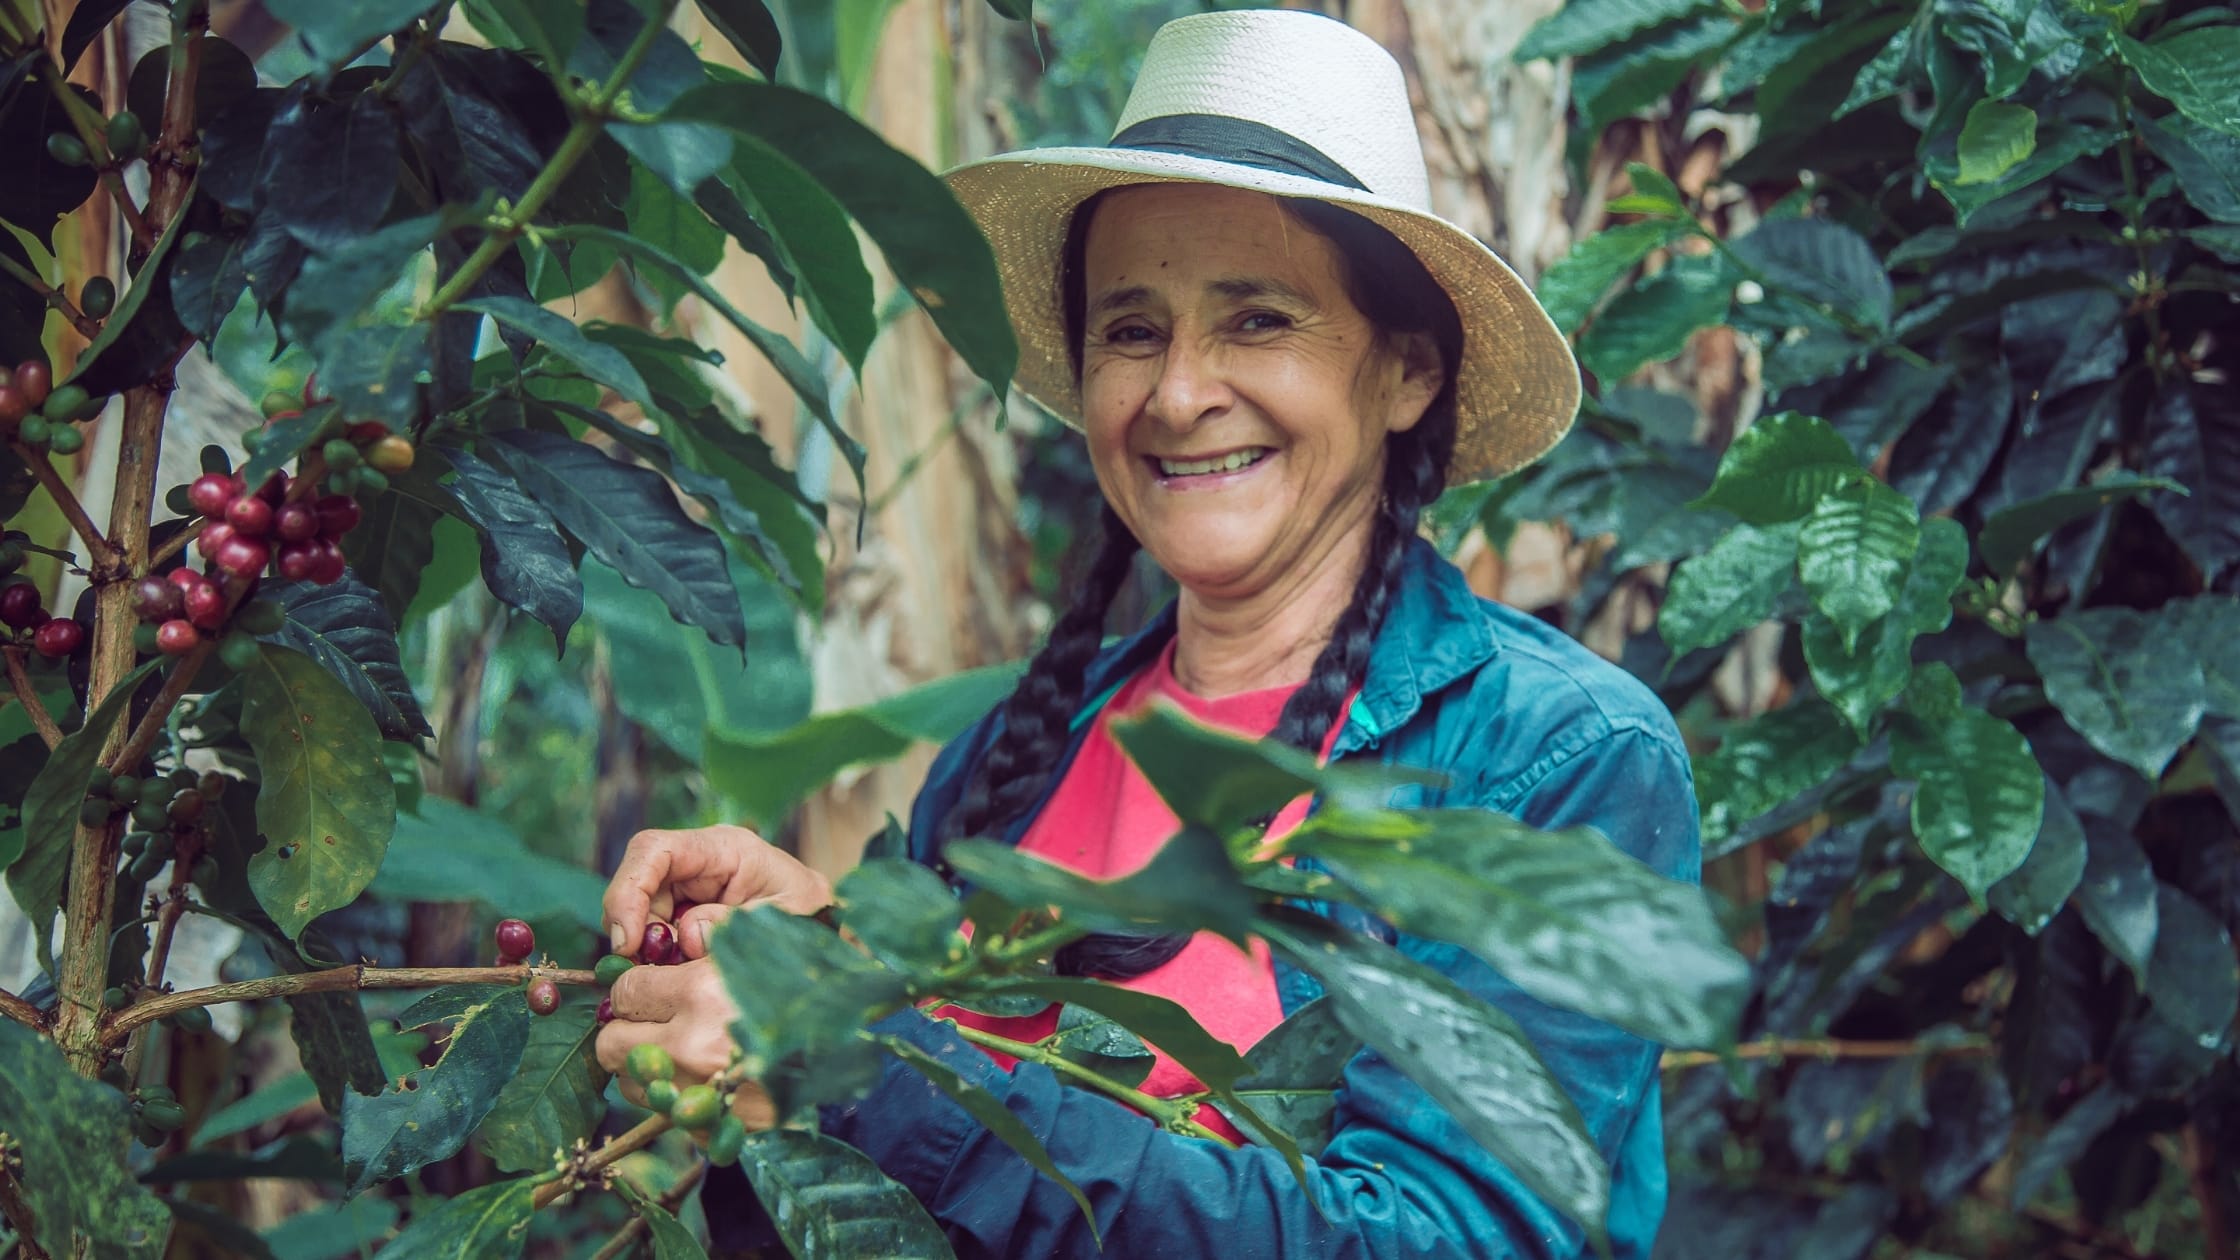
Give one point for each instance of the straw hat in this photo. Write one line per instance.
(1298, 105)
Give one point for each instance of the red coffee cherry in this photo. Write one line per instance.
(211, 492)
(155, 599)
(59, 637)
(544, 996)
(19, 606)
(177, 638)
(660, 944)
(299, 560)
(184, 578)
(206, 605)
(338, 515)
(295, 522)
(242, 557)
(250, 517)
(13, 405)
(213, 536)
(516, 940)
(35, 380)
(606, 1010)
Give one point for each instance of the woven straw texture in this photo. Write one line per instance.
(1517, 388)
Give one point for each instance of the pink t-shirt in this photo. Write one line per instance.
(1105, 821)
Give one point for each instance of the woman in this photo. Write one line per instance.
(1278, 357)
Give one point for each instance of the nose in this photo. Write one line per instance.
(1191, 385)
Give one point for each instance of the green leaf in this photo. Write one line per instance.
(332, 1233)
(2113, 676)
(2197, 70)
(1188, 886)
(525, 562)
(325, 803)
(2035, 891)
(1981, 798)
(1853, 554)
(405, 1129)
(1296, 1070)
(747, 24)
(51, 805)
(1160, 1021)
(261, 1106)
(446, 851)
(1571, 287)
(1878, 79)
(1584, 26)
(1728, 588)
(1863, 676)
(990, 1112)
(803, 996)
(935, 248)
(1653, 193)
(1823, 263)
(396, 541)
(2211, 625)
(1763, 762)
(1652, 321)
(671, 1240)
(2205, 162)
(69, 1134)
(332, 1040)
(816, 243)
(903, 913)
(555, 1100)
(1470, 1057)
(1566, 915)
(2118, 897)
(1100, 1045)
(1220, 782)
(1995, 140)
(344, 627)
(604, 364)
(549, 28)
(486, 1223)
(831, 1200)
(1779, 468)
(629, 518)
(103, 380)
(2193, 978)
(2010, 537)
(766, 775)
(335, 31)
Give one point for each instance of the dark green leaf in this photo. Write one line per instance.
(334, 1233)
(1653, 320)
(405, 1129)
(604, 364)
(2193, 978)
(833, 1201)
(85, 25)
(446, 851)
(374, 371)
(1981, 798)
(1636, 73)
(2194, 439)
(395, 543)
(557, 1098)
(299, 1158)
(1995, 140)
(1878, 79)
(1296, 1070)
(935, 248)
(549, 28)
(1100, 1045)
(341, 163)
(803, 995)
(1779, 468)
(1653, 193)
(455, 109)
(816, 242)
(332, 1040)
(1157, 1020)
(339, 285)
(1584, 26)
(1572, 286)
(990, 1111)
(2210, 625)
(325, 803)
(2010, 536)
(336, 31)
(2112, 675)
(1941, 459)
(524, 560)
(1860, 678)
(1470, 1057)
(1566, 915)
(1728, 588)
(671, 1240)
(2205, 162)
(2117, 896)
(751, 30)
(2198, 71)
(629, 518)
(119, 356)
(68, 1132)
(344, 627)
(1823, 263)
(43, 189)
(51, 805)
(207, 281)
(1188, 886)
(904, 913)
(1853, 554)
(486, 1223)
(1212, 778)
(1763, 762)
(2061, 1145)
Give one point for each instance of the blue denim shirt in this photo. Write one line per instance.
(1522, 720)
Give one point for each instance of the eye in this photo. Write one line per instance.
(1128, 335)
(1263, 321)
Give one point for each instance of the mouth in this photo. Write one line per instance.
(1211, 465)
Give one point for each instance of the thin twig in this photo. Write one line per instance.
(1827, 1048)
(104, 555)
(581, 1172)
(13, 1206)
(151, 724)
(332, 980)
(177, 544)
(635, 1228)
(40, 718)
(1178, 1117)
(87, 327)
(17, 1009)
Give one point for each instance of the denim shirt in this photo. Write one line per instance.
(1522, 720)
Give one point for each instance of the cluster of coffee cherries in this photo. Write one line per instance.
(246, 530)
(359, 455)
(178, 609)
(165, 811)
(517, 941)
(45, 418)
(698, 1108)
(22, 610)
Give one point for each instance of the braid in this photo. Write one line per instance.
(1013, 773)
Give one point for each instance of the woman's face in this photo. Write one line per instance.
(1235, 400)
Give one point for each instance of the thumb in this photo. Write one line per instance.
(694, 925)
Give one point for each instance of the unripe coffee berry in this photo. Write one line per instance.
(66, 440)
(729, 1138)
(262, 616)
(294, 522)
(126, 137)
(340, 455)
(115, 998)
(125, 789)
(610, 968)
(146, 867)
(177, 637)
(19, 605)
(391, 454)
(661, 1095)
(371, 480)
(94, 813)
(251, 517)
(205, 872)
(98, 297)
(67, 149)
(59, 637)
(697, 1106)
(544, 996)
(238, 650)
(70, 402)
(649, 1063)
(515, 938)
(35, 432)
(193, 1019)
(185, 805)
(206, 604)
(211, 492)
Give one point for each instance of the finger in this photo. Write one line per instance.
(615, 1042)
(661, 868)
(650, 995)
(695, 924)
(768, 875)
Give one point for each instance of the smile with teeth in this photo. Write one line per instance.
(1230, 462)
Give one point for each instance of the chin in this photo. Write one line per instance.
(1207, 566)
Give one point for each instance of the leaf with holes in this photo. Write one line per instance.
(405, 1129)
(325, 803)
(2113, 676)
(556, 1097)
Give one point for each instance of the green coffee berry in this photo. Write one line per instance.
(35, 432)
(93, 813)
(66, 440)
(101, 781)
(340, 455)
(164, 1114)
(661, 1095)
(238, 650)
(697, 1106)
(115, 998)
(125, 789)
(150, 813)
(371, 480)
(649, 1063)
(134, 843)
(262, 616)
(729, 1138)
(215, 459)
(610, 968)
(146, 867)
(67, 149)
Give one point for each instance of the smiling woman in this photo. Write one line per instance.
(1277, 357)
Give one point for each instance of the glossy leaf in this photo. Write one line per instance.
(446, 851)
(333, 1041)
(2206, 162)
(2035, 891)
(816, 243)
(1728, 588)
(831, 1200)
(1995, 139)
(405, 1129)
(1574, 284)
(629, 518)
(341, 159)
(990, 1112)
(671, 1240)
(51, 805)
(555, 1100)
(2010, 537)
(1212, 778)
(604, 364)
(1471, 1058)
(2193, 977)
(2194, 439)
(803, 995)
(1653, 193)
(1861, 677)
(1853, 553)
(525, 562)
(334, 31)
(1654, 319)
(1779, 468)
(344, 627)
(1187, 886)
(119, 358)
(2112, 675)
(1566, 915)
(1100, 1045)
(1585, 26)
(395, 543)
(2118, 897)
(1981, 797)
(1823, 263)
(67, 1132)
(747, 24)
(486, 1223)
(902, 912)
(1761, 763)
(2197, 70)
(1296, 1071)
(325, 803)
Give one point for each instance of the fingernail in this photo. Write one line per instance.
(700, 938)
(614, 937)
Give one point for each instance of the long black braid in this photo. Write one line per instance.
(1390, 286)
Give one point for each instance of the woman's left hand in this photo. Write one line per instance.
(685, 1010)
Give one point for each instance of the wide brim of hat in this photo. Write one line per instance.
(1517, 388)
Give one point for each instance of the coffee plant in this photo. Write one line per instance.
(1986, 531)
(210, 729)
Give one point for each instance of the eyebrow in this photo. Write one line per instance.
(1234, 288)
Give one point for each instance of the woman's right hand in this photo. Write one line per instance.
(713, 869)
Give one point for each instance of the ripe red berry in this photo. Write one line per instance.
(515, 939)
(184, 578)
(606, 1010)
(13, 405)
(176, 638)
(214, 535)
(338, 515)
(34, 379)
(660, 943)
(544, 996)
(328, 564)
(206, 606)
(211, 492)
(250, 517)
(295, 522)
(299, 560)
(242, 557)
(19, 605)
(274, 491)
(155, 599)
(59, 637)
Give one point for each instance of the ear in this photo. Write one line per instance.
(1422, 374)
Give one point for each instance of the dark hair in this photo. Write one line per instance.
(1390, 286)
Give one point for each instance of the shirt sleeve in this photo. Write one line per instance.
(1399, 1177)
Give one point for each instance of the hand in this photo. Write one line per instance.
(723, 867)
(685, 1010)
